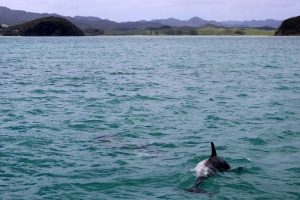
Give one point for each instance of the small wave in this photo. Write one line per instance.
(122, 73)
(195, 89)
(294, 169)
(241, 161)
(289, 133)
(242, 95)
(213, 118)
(276, 118)
(255, 141)
(143, 97)
(288, 149)
(271, 66)
(165, 145)
(275, 103)
(282, 88)
(36, 112)
(19, 128)
(39, 91)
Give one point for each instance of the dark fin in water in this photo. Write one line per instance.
(213, 150)
(196, 190)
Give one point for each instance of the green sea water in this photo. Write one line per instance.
(129, 117)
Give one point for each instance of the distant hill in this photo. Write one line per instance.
(193, 22)
(46, 26)
(289, 26)
(14, 17)
(253, 23)
(198, 22)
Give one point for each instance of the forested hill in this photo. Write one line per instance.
(289, 26)
(47, 26)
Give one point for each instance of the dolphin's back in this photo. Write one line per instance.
(207, 168)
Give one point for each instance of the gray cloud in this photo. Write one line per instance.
(130, 10)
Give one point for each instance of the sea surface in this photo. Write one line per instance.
(129, 117)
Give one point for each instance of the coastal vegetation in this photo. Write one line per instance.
(205, 30)
(289, 26)
(46, 26)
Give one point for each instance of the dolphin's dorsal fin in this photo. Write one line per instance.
(213, 150)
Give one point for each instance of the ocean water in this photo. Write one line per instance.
(129, 117)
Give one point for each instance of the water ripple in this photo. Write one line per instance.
(129, 117)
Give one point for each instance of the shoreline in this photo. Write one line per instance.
(154, 36)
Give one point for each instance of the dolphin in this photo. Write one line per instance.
(208, 167)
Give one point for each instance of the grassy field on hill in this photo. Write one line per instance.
(167, 30)
(193, 31)
(234, 31)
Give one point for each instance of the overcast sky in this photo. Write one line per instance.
(132, 10)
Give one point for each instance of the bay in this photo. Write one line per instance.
(129, 117)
